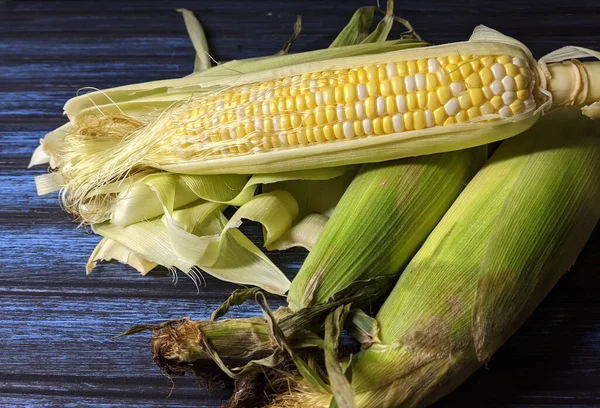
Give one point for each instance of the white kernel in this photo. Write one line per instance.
(339, 110)
(497, 87)
(232, 134)
(312, 85)
(487, 92)
(283, 138)
(432, 65)
(391, 69)
(420, 81)
(401, 103)
(509, 83)
(361, 91)
(429, 118)
(269, 94)
(348, 129)
(258, 123)
(239, 112)
(505, 112)
(452, 107)
(265, 108)
(219, 104)
(498, 70)
(409, 83)
(381, 109)
(457, 88)
(215, 120)
(367, 126)
(360, 109)
(253, 95)
(398, 122)
(519, 62)
(277, 123)
(509, 97)
(529, 103)
(319, 98)
(295, 79)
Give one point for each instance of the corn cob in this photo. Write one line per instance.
(365, 108)
(381, 220)
(516, 228)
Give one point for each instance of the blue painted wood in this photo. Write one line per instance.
(57, 325)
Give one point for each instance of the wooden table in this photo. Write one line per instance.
(57, 324)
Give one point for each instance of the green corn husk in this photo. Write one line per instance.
(381, 220)
(508, 238)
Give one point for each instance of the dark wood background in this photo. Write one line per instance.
(57, 324)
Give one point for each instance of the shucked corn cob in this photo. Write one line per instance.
(358, 109)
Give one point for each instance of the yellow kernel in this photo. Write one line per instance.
(371, 107)
(525, 71)
(281, 104)
(422, 65)
(450, 68)
(442, 60)
(486, 76)
(309, 100)
(422, 99)
(450, 121)
(439, 115)
(294, 90)
(268, 125)
(285, 123)
(309, 120)
(292, 138)
(444, 94)
(488, 61)
(328, 96)
(523, 94)
(362, 76)
(273, 107)
(517, 106)
(497, 102)
(248, 127)
(476, 65)
(388, 126)
(390, 105)
(240, 132)
(338, 131)
(372, 88)
(385, 87)
(296, 120)
(377, 126)
(504, 59)
(419, 120)
(350, 93)
(398, 85)
(381, 73)
(339, 94)
(474, 112)
(300, 103)
(454, 59)
(328, 132)
(464, 100)
(465, 70)
(408, 121)
(487, 108)
(320, 116)
(431, 81)
(443, 78)
(511, 69)
(432, 101)
(402, 68)
(412, 67)
(461, 117)
(350, 111)
(302, 138)
(521, 82)
(411, 101)
(352, 76)
(477, 96)
(358, 129)
(372, 73)
(319, 134)
(473, 81)
(331, 114)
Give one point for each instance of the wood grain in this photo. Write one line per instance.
(58, 325)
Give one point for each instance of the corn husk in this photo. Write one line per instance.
(513, 232)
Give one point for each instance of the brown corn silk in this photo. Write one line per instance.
(513, 232)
